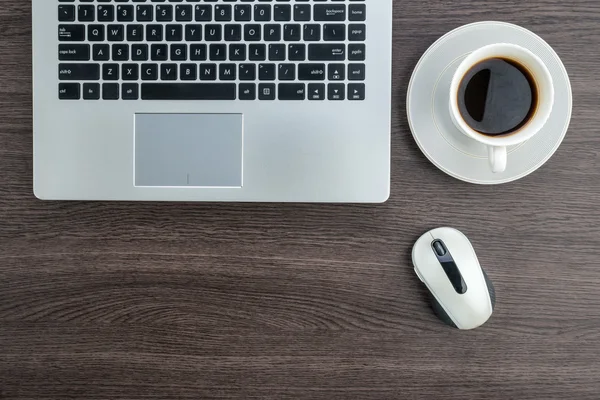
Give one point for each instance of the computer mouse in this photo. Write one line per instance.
(462, 294)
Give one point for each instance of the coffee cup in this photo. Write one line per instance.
(501, 95)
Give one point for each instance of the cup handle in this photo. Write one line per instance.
(498, 158)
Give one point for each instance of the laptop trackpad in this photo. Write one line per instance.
(196, 150)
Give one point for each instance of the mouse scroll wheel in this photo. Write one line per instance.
(439, 248)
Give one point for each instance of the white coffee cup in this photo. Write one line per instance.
(497, 145)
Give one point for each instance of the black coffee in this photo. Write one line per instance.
(497, 97)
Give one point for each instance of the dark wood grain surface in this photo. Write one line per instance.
(203, 301)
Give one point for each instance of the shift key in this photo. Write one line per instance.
(79, 72)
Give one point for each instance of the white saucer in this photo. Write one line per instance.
(429, 116)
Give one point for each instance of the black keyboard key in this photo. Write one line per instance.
(74, 52)
(357, 32)
(149, 72)
(188, 91)
(130, 72)
(252, 32)
(247, 91)
(164, 13)
(247, 72)
(292, 32)
(168, 72)
(266, 72)
(357, 52)
(218, 52)
(154, 33)
(101, 52)
(356, 72)
(233, 33)
(272, 33)
(66, 13)
(95, 33)
(68, 91)
(71, 33)
(125, 13)
(179, 52)
(356, 91)
(208, 72)
(110, 72)
(193, 33)
(223, 12)
(334, 32)
(336, 91)
(110, 91)
(183, 12)
(144, 13)
(78, 72)
(242, 12)
(297, 52)
(120, 52)
(159, 52)
(266, 91)
(287, 72)
(291, 91)
(257, 52)
(316, 91)
(135, 33)
(130, 91)
(212, 33)
(91, 91)
(106, 13)
(302, 12)
(329, 12)
(198, 52)
(262, 12)
(336, 72)
(203, 13)
(86, 13)
(227, 72)
(327, 52)
(174, 33)
(115, 33)
(312, 33)
(311, 72)
(188, 72)
(282, 12)
(357, 12)
(139, 52)
(237, 52)
(276, 52)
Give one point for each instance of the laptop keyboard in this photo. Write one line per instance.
(212, 50)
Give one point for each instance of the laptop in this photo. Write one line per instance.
(212, 100)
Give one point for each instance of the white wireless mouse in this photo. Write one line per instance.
(462, 295)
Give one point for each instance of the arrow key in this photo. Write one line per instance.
(336, 72)
(336, 91)
(316, 91)
(356, 91)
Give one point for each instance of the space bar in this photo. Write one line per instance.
(188, 91)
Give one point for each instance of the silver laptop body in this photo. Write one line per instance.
(212, 101)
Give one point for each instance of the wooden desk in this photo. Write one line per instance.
(198, 301)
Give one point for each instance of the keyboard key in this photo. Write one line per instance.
(357, 12)
(68, 91)
(71, 33)
(188, 72)
(336, 91)
(336, 72)
(101, 52)
(334, 32)
(91, 91)
(247, 72)
(356, 52)
(247, 91)
(110, 72)
(66, 13)
(188, 91)
(327, 52)
(291, 91)
(329, 12)
(266, 91)
(316, 91)
(357, 32)
(130, 91)
(168, 72)
(356, 91)
(74, 52)
(110, 91)
(130, 72)
(356, 72)
(78, 72)
(266, 72)
(287, 72)
(208, 72)
(227, 72)
(311, 72)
